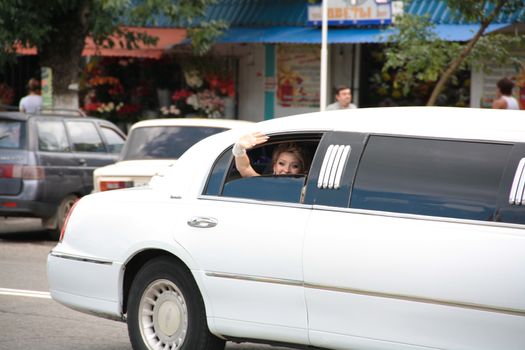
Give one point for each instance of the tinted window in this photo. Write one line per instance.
(430, 177)
(164, 142)
(219, 173)
(85, 137)
(115, 142)
(52, 136)
(12, 134)
(283, 188)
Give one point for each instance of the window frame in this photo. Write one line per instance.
(108, 145)
(103, 150)
(66, 134)
(223, 167)
(497, 193)
(507, 212)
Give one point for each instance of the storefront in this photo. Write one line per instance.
(267, 64)
(279, 58)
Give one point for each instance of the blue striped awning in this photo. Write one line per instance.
(310, 35)
(440, 13)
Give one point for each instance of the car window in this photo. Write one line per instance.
(164, 142)
(226, 181)
(443, 178)
(52, 136)
(282, 188)
(115, 142)
(12, 134)
(85, 137)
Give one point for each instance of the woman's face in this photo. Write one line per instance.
(287, 163)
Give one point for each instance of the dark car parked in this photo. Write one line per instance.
(47, 162)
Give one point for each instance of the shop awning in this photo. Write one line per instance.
(310, 35)
(167, 38)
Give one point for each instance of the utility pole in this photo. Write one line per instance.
(324, 57)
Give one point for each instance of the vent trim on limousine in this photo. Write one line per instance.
(516, 196)
(333, 165)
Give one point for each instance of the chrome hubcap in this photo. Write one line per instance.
(163, 316)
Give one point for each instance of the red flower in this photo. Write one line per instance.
(116, 89)
(182, 94)
(227, 88)
(129, 109)
(92, 107)
(213, 81)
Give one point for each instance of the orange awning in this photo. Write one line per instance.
(167, 38)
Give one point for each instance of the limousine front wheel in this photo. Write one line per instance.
(166, 310)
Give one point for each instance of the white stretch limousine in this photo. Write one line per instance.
(404, 230)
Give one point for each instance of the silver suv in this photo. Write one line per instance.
(47, 162)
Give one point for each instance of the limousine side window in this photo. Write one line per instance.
(226, 181)
(444, 178)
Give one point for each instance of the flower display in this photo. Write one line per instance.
(204, 95)
(126, 90)
(193, 79)
(111, 96)
(225, 87)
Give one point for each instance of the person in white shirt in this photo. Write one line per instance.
(32, 102)
(504, 98)
(343, 96)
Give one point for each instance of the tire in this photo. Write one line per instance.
(61, 214)
(166, 310)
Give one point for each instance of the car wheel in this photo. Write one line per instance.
(166, 310)
(62, 211)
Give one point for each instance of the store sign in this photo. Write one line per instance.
(46, 76)
(356, 12)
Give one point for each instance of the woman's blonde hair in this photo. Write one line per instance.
(296, 150)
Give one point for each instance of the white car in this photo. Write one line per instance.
(407, 232)
(152, 146)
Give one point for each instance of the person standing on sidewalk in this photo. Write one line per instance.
(32, 102)
(504, 98)
(343, 96)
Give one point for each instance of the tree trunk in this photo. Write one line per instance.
(64, 54)
(454, 65)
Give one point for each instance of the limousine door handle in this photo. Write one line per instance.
(202, 222)
(82, 161)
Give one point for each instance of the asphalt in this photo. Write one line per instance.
(12, 225)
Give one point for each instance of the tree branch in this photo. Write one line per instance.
(454, 65)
